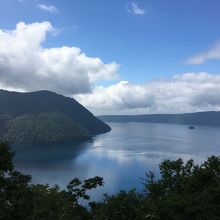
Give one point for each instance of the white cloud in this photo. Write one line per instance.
(26, 65)
(133, 8)
(48, 8)
(187, 92)
(213, 53)
(119, 96)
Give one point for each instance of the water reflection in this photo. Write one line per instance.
(121, 156)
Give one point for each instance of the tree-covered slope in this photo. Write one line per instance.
(45, 117)
(43, 128)
(15, 104)
(198, 118)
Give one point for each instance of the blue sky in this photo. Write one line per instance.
(147, 39)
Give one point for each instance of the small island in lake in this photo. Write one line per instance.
(191, 127)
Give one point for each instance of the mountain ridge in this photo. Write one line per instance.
(209, 118)
(18, 108)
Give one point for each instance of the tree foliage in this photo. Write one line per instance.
(49, 127)
(19, 199)
(183, 191)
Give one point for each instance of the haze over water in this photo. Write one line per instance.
(121, 156)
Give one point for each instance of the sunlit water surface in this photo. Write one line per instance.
(121, 156)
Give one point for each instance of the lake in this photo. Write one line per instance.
(121, 156)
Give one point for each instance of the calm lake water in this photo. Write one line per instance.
(121, 156)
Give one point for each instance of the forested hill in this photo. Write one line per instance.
(199, 118)
(47, 114)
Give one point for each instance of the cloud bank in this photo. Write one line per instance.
(26, 65)
(187, 92)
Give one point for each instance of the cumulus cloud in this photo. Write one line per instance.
(133, 8)
(213, 53)
(119, 96)
(26, 65)
(187, 92)
(48, 8)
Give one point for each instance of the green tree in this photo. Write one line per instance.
(124, 206)
(185, 191)
(21, 200)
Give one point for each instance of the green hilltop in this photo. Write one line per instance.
(43, 117)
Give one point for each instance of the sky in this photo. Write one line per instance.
(114, 56)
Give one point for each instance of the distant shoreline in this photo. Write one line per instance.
(210, 118)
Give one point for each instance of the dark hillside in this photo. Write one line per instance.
(16, 104)
(42, 117)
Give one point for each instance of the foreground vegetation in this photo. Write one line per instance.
(184, 191)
